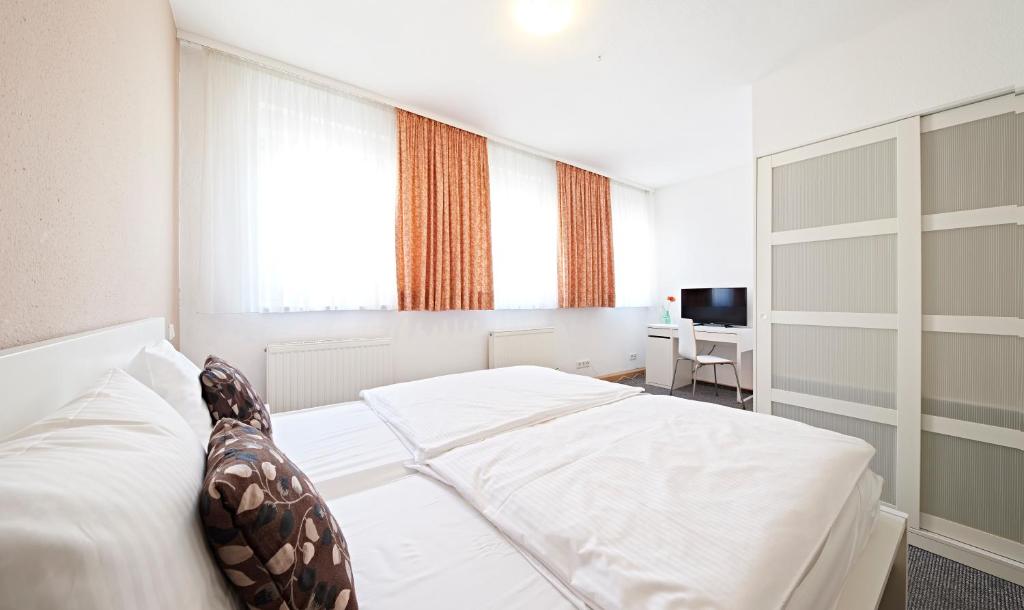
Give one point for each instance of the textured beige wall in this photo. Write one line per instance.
(88, 204)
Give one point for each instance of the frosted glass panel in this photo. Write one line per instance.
(975, 484)
(849, 275)
(977, 271)
(846, 186)
(853, 364)
(972, 165)
(978, 378)
(879, 436)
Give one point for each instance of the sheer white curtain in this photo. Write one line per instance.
(297, 200)
(524, 228)
(633, 245)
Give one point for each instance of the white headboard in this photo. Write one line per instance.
(40, 378)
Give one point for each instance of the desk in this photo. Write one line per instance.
(663, 347)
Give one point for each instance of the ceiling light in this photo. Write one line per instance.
(543, 17)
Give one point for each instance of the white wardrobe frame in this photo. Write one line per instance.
(946, 538)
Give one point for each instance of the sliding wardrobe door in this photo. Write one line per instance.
(838, 294)
(972, 443)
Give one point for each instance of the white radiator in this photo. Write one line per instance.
(528, 346)
(305, 374)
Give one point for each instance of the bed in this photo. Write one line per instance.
(406, 525)
(358, 462)
(347, 449)
(616, 501)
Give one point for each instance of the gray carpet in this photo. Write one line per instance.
(705, 391)
(935, 583)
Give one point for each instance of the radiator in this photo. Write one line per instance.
(305, 374)
(528, 346)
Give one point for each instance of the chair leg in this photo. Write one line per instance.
(672, 384)
(739, 393)
(693, 377)
(714, 367)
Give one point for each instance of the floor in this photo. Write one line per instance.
(935, 583)
(705, 391)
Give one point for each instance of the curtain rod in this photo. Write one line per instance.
(349, 89)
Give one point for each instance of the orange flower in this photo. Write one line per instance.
(671, 299)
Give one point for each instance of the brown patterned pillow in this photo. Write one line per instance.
(228, 393)
(271, 532)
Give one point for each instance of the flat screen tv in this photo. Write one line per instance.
(724, 306)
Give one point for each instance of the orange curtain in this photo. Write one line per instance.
(586, 273)
(443, 217)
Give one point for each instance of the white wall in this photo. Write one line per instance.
(941, 54)
(425, 343)
(705, 238)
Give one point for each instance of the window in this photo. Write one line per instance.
(524, 228)
(298, 198)
(632, 244)
(288, 195)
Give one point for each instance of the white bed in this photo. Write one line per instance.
(347, 449)
(354, 450)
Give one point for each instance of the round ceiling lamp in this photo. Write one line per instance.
(543, 17)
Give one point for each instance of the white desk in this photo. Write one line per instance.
(663, 347)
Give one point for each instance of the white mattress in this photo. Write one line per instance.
(415, 544)
(823, 583)
(343, 448)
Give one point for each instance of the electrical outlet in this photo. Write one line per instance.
(634, 356)
(582, 364)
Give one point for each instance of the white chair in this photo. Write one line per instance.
(688, 351)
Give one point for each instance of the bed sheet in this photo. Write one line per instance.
(415, 544)
(343, 448)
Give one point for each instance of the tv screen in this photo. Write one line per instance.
(727, 306)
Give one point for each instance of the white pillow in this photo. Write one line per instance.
(176, 379)
(98, 507)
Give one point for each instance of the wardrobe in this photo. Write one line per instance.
(890, 306)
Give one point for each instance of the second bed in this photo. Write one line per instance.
(414, 533)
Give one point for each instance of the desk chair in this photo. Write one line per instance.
(688, 351)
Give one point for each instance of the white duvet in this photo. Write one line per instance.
(656, 502)
(440, 413)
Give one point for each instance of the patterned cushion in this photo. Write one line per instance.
(271, 532)
(228, 393)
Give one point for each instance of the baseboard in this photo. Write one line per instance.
(979, 559)
(622, 375)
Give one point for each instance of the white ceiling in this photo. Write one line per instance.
(669, 99)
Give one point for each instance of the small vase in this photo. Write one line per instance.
(666, 317)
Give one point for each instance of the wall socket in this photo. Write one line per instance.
(582, 364)
(634, 356)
